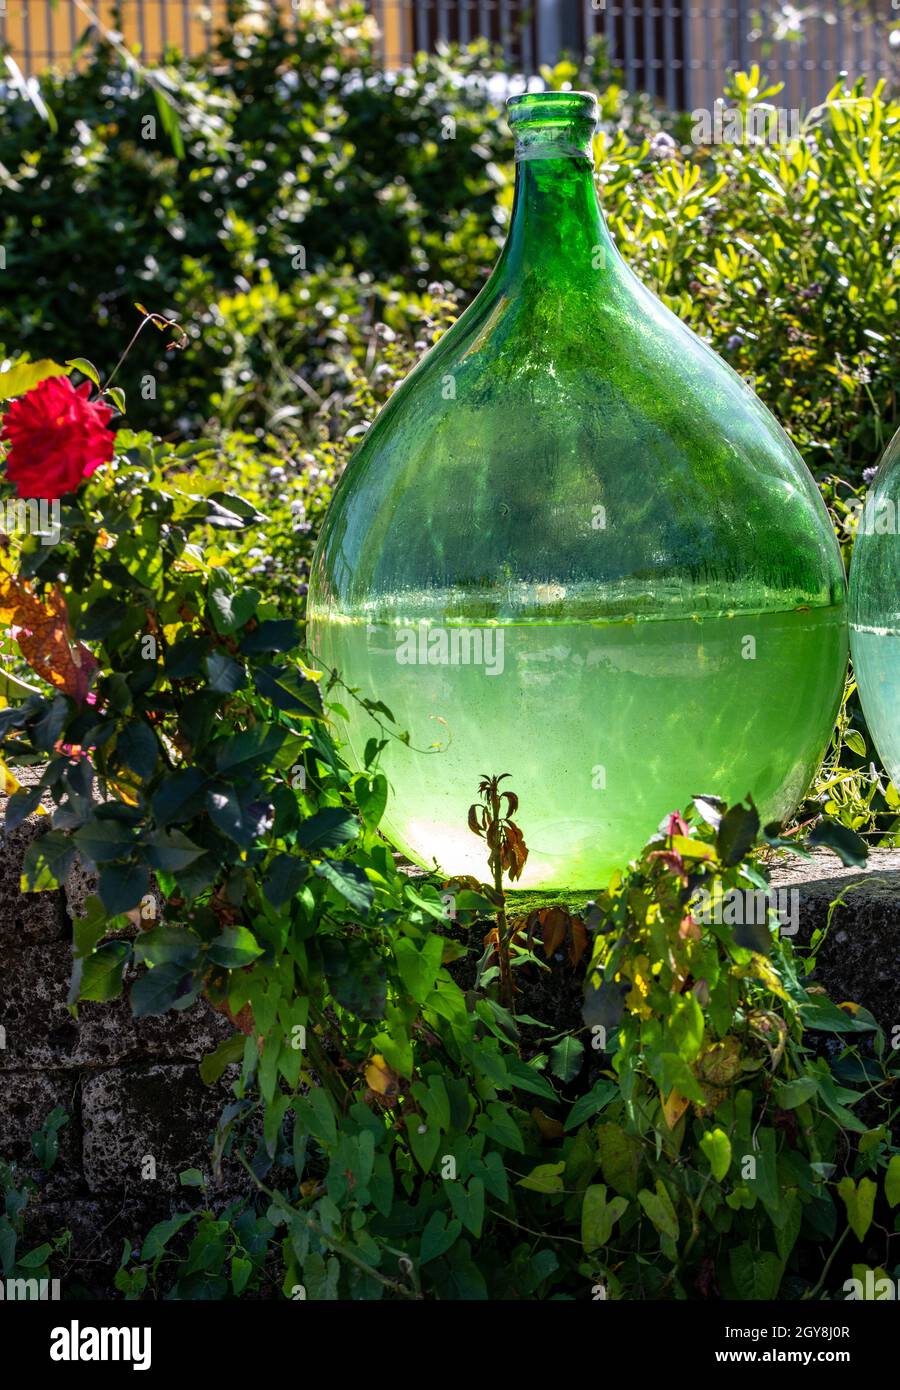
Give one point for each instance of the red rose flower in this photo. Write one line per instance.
(58, 437)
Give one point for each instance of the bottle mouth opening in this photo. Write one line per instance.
(553, 110)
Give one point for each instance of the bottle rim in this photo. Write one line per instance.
(552, 108)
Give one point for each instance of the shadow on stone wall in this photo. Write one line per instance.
(131, 1088)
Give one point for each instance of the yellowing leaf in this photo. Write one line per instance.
(9, 783)
(381, 1078)
(546, 1177)
(674, 1107)
(717, 1147)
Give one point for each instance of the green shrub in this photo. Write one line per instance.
(316, 196)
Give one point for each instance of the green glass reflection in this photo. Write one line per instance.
(575, 547)
(875, 609)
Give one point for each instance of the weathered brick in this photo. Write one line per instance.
(26, 918)
(162, 1112)
(859, 958)
(28, 1098)
(38, 1030)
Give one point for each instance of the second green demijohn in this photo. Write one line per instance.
(575, 547)
(875, 609)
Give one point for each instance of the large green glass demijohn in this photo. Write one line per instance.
(576, 548)
(875, 609)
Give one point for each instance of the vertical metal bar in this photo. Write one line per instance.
(856, 25)
(505, 36)
(526, 20)
(26, 40)
(142, 27)
(549, 35)
(804, 72)
(185, 28)
(464, 21)
(443, 31)
(421, 26)
(609, 29)
(669, 55)
(650, 74)
(742, 19)
(163, 26)
(628, 17)
(687, 49)
(484, 19)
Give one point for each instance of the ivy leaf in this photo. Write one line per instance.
(356, 976)
(793, 1093)
(687, 1027)
(892, 1181)
(438, 1236)
(620, 1156)
(229, 611)
(546, 1178)
(289, 691)
(350, 881)
(717, 1148)
(159, 1236)
(214, 1064)
(327, 829)
(860, 1203)
(847, 845)
(371, 797)
(599, 1216)
(566, 1058)
(658, 1206)
(597, 1098)
(284, 879)
(756, 1273)
(418, 968)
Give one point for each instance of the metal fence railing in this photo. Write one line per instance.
(678, 50)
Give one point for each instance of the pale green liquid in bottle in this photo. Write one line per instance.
(876, 664)
(605, 727)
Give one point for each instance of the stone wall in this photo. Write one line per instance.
(139, 1113)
